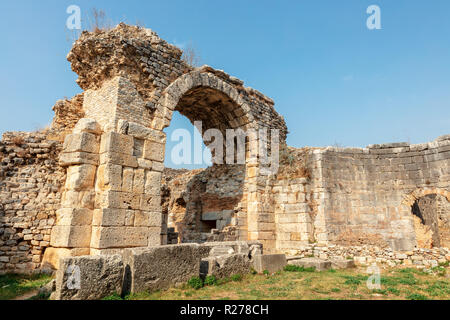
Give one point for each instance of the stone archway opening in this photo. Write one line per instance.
(206, 204)
(431, 214)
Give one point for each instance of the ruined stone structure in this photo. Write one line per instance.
(95, 183)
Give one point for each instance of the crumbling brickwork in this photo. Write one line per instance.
(30, 194)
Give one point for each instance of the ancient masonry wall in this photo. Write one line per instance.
(362, 196)
(30, 194)
(205, 205)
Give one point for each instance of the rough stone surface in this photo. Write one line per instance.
(100, 276)
(269, 262)
(150, 269)
(318, 264)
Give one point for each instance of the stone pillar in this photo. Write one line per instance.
(71, 236)
(128, 204)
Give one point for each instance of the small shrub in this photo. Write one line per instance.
(416, 296)
(114, 296)
(393, 291)
(195, 283)
(236, 277)
(294, 268)
(210, 281)
(253, 271)
(266, 272)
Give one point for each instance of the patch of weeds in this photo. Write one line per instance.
(416, 296)
(210, 281)
(114, 296)
(444, 264)
(332, 271)
(236, 277)
(195, 283)
(336, 290)
(294, 268)
(393, 291)
(354, 280)
(14, 285)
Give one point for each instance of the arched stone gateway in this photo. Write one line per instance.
(133, 83)
(431, 215)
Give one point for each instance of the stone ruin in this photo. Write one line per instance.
(94, 182)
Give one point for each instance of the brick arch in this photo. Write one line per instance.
(412, 197)
(175, 92)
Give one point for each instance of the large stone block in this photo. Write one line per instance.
(225, 265)
(78, 199)
(152, 183)
(117, 143)
(71, 236)
(81, 142)
(269, 262)
(109, 177)
(77, 158)
(121, 159)
(53, 255)
(119, 200)
(147, 219)
(156, 268)
(120, 237)
(74, 217)
(154, 151)
(80, 177)
(110, 217)
(88, 277)
(150, 203)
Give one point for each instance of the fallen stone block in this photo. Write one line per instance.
(156, 268)
(318, 264)
(88, 277)
(341, 263)
(269, 262)
(225, 266)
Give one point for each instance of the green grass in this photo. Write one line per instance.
(14, 285)
(300, 284)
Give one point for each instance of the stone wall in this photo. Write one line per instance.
(30, 194)
(205, 205)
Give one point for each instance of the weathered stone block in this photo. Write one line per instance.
(109, 177)
(119, 200)
(121, 159)
(147, 219)
(269, 262)
(117, 143)
(150, 203)
(74, 217)
(80, 177)
(53, 255)
(154, 151)
(87, 125)
(71, 236)
(119, 237)
(225, 265)
(77, 158)
(156, 268)
(109, 217)
(89, 277)
(81, 142)
(152, 183)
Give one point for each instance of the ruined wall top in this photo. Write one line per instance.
(152, 65)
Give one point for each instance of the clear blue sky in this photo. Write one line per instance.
(332, 79)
